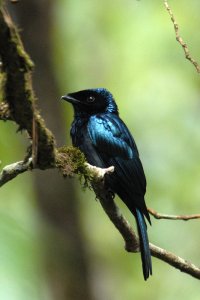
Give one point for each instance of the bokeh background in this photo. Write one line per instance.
(55, 240)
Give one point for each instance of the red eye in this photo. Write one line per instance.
(90, 99)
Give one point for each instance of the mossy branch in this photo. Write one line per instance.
(17, 66)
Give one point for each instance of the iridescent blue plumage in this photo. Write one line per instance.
(106, 141)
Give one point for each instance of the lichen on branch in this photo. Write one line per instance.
(11, 171)
(5, 113)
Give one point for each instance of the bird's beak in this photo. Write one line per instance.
(69, 99)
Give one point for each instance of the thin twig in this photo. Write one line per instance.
(159, 216)
(179, 38)
(11, 171)
(175, 261)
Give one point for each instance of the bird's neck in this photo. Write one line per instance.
(81, 115)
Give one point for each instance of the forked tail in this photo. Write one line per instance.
(144, 244)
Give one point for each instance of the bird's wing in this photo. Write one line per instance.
(107, 137)
(116, 146)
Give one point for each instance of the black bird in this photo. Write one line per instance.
(102, 136)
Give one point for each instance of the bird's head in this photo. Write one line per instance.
(92, 101)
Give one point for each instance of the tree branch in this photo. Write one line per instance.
(11, 171)
(175, 261)
(106, 199)
(17, 66)
(159, 216)
(179, 38)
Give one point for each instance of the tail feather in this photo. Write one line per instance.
(144, 244)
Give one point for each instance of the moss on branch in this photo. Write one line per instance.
(17, 66)
(71, 161)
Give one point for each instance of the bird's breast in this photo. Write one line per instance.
(81, 139)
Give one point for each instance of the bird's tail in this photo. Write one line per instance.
(144, 244)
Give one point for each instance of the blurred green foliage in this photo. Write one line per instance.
(128, 47)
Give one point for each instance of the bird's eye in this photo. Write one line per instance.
(90, 99)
